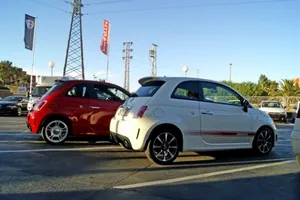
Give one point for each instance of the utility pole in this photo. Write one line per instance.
(126, 57)
(230, 64)
(198, 71)
(153, 60)
(74, 65)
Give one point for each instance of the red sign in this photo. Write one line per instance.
(105, 38)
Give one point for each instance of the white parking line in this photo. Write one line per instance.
(188, 178)
(61, 150)
(18, 134)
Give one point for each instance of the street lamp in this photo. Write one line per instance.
(230, 66)
(185, 69)
(51, 64)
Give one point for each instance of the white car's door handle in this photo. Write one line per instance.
(207, 113)
(94, 107)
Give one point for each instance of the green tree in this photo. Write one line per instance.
(288, 88)
(267, 87)
(10, 74)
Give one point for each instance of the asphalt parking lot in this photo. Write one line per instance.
(31, 169)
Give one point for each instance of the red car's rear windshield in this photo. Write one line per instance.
(53, 88)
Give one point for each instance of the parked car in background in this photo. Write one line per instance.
(14, 105)
(77, 108)
(44, 83)
(296, 137)
(238, 102)
(275, 109)
(296, 110)
(171, 115)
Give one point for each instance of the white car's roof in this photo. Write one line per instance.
(164, 78)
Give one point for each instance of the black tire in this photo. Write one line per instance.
(263, 142)
(45, 131)
(152, 155)
(18, 112)
(284, 119)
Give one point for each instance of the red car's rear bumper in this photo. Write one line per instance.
(33, 121)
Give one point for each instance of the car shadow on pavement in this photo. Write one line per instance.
(275, 187)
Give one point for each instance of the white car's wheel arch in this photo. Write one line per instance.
(162, 125)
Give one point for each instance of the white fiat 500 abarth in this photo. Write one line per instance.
(169, 115)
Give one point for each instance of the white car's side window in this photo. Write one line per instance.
(187, 90)
(213, 92)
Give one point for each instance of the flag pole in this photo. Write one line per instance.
(108, 48)
(33, 51)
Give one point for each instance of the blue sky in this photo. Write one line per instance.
(262, 38)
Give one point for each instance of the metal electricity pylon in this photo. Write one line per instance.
(74, 65)
(127, 50)
(153, 59)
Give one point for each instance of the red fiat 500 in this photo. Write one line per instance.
(77, 108)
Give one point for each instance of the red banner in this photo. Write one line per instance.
(105, 38)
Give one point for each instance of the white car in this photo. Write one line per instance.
(296, 137)
(275, 109)
(37, 93)
(172, 115)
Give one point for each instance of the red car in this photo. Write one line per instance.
(77, 108)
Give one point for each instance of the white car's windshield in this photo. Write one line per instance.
(271, 105)
(40, 91)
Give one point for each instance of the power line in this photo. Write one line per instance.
(50, 6)
(106, 2)
(190, 6)
(69, 2)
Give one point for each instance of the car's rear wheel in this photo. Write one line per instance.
(163, 148)
(55, 131)
(263, 141)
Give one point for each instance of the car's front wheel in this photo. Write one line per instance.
(163, 148)
(284, 119)
(263, 141)
(55, 131)
(18, 112)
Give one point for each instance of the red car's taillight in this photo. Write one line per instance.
(141, 112)
(39, 105)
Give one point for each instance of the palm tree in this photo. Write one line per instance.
(288, 88)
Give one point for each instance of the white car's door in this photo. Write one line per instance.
(223, 122)
(184, 104)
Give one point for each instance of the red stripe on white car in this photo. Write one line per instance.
(222, 133)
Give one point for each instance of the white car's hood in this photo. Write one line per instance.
(275, 110)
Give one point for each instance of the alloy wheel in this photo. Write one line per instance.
(165, 147)
(19, 111)
(264, 141)
(56, 131)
